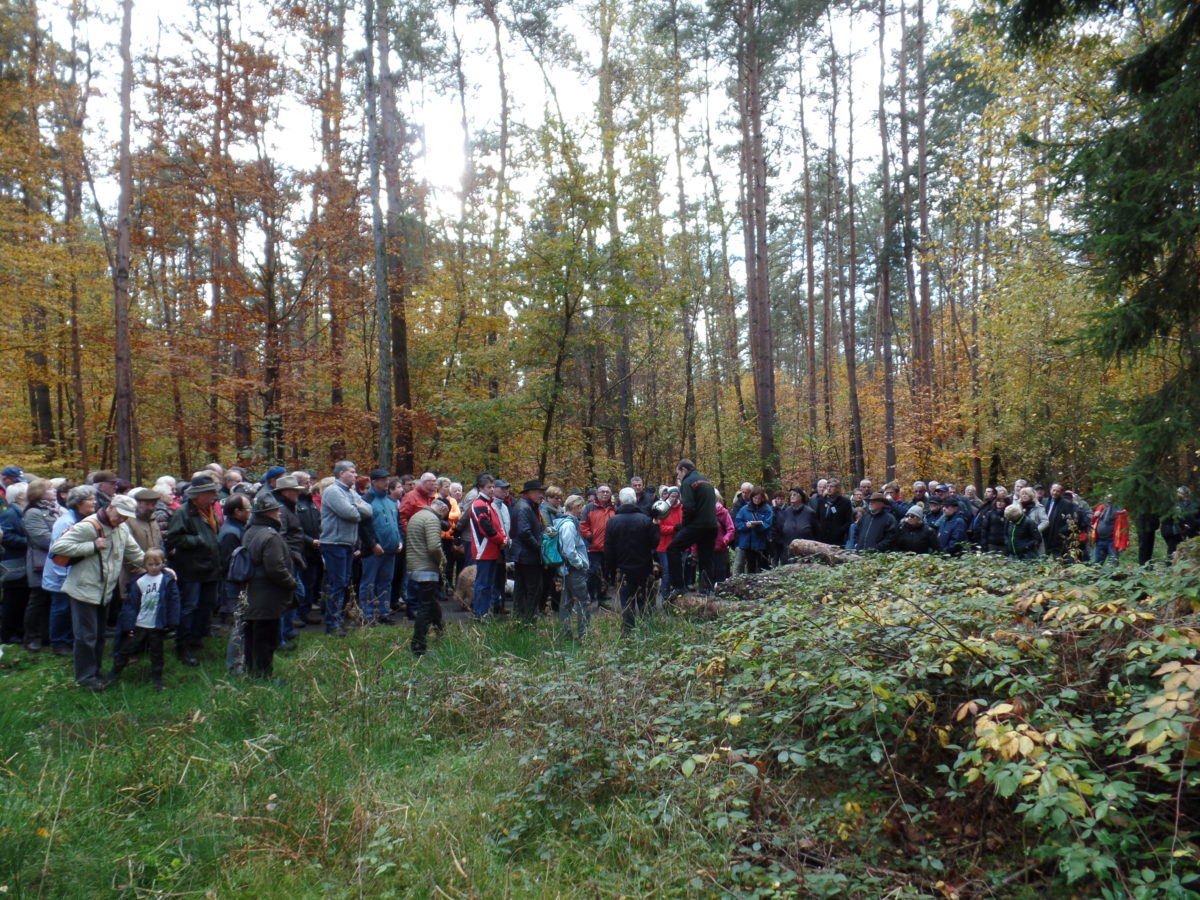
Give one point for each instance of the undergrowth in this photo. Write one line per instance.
(893, 727)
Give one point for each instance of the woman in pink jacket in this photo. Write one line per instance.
(725, 536)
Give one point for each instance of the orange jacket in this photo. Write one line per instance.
(594, 522)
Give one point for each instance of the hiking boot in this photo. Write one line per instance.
(94, 684)
(335, 631)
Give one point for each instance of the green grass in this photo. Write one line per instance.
(370, 774)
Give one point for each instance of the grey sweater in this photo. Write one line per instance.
(341, 511)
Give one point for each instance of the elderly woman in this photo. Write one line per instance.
(41, 511)
(80, 503)
(101, 545)
(12, 552)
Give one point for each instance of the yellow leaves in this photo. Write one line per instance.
(1168, 714)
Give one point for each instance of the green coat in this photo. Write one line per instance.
(423, 542)
(94, 578)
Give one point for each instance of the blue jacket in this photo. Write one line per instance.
(168, 605)
(952, 536)
(385, 519)
(759, 537)
(14, 533)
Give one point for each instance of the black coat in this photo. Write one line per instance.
(834, 517)
(310, 523)
(630, 542)
(1060, 515)
(526, 534)
(991, 531)
(922, 539)
(293, 530)
(271, 587)
(876, 532)
(646, 500)
(193, 550)
(1023, 539)
(797, 524)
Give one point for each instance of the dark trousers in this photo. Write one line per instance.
(311, 579)
(1147, 528)
(550, 591)
(198, 601)
(527, 590)
(144, 640)
(600, 576)
(261, 639)
(88, 621)
(756, 561)
(16, 602)
(720, 566)
(636, 591)
(703, 539)
(37, 614)
(429, 612)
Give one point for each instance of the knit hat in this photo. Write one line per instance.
(917, 509)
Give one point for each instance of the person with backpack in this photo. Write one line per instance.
(552, 514)
(574, 569)
(527, 531)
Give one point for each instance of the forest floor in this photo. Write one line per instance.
(892, 727)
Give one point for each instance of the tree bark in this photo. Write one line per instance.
(382, 306)
(884, 295)
(124, 360)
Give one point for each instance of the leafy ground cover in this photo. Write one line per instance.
(898, 727)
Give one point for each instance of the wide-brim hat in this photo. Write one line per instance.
(287, 483)
(202, 484)
(265, 502)
(532, 485)
(125, 505)
(877, 496)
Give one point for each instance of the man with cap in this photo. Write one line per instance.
(105, 482)
(103, 547)
(914, 534)
(953, 535)
(379, 560)
(271, 476)
(142, 526)
(934, 515)
(272, 585)
(9, 476)
(877, 528)
(287, 492)
(527, 528)
(194, 552)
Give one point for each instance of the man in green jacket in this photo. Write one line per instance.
(698, 527)
(194, 552)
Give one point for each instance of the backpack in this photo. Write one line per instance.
(551, 553)
(241, 569)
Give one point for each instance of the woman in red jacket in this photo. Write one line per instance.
(667, 526)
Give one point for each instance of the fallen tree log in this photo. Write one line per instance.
(824, 552)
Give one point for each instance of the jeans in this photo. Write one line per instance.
(337, 571)
(485, 573)
(1104, 549)
(60, 620)
(574, 602)
(664, 583)
(375, 589)
(87, 621)
(197, 601)
(310, 579)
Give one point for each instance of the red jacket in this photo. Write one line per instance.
(593, 523)
(414, 500)
(668, 526)
(487, 534)
(1120, 536)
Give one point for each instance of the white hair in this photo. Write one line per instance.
(15, 493)
(165, 488)
(627, 495)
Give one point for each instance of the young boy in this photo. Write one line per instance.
(151, 607)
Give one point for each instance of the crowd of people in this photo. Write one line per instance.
(255, 561)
